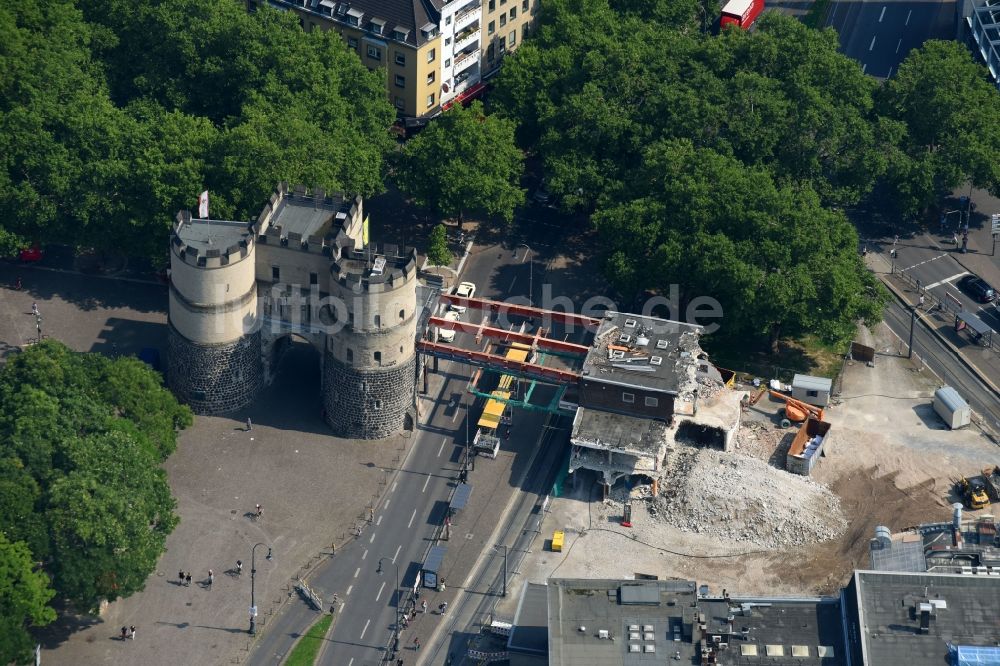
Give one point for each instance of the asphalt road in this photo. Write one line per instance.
(941, 274)
(878, 34)
(403, 527)
(944, 363)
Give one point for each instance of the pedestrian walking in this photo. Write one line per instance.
(211, 577)
(954, 238)
(260, 511)
(180, 575)
(239, 567)
(124, 633)
(188, 578)
(249, 425)
(921, 302)
(18, 285)
(416, 642)
(413, 614)
(423, 606)
(443, 608)
(131, 632)
(34, 309)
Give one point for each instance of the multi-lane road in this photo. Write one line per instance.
(879, 34)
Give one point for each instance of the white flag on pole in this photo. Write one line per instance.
(203, 205)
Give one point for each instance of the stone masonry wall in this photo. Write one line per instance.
(367, 403)
(215, 379)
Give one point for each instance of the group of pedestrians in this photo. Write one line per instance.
(128, 632)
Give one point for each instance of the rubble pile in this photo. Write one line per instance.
(761, 440)
(744, 500)
(709, 388)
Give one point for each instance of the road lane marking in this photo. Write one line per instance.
(455, 415)
(947, 280)
(351, 662)
(511, 287)
(378, 522)
(398, 548)
(889, 75)
(386, 505)
(372, 537)
(880, 16)
(410, 524)
(382, 587)
(393, 487)
(364, 555)
(442, 446)
(872, 45)
(350, 588)
(908, 17)
(927, 261)
(899, 44)
(367, 622)
(357, 571)
(426, 481)
(864, 68)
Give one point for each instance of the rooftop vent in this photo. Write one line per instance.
(624, 338)
(661, 344)
(649, 648)
(603, 633)
(581, 628)
(642, 341)
(647, 627)
(633, 627)
(649, 636)
(634, 647)
(631, 323)
(656, 360)
(634, 635)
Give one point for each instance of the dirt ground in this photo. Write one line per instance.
(889, 460)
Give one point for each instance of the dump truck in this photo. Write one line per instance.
(973, 491)
(741, 13)
(807, 447)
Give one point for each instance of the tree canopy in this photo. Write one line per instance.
(438, 252)
(81, 442)
(114, 114)
(717, 163)
(464, 161)
(24, 597)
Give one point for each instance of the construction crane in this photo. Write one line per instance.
(796, 410)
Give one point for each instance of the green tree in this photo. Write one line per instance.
(950, 117)
(464, 161)
(24, 595)
(81, 440)
(438, 252)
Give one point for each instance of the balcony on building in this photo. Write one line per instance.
(467, 78)
(465, 16)
(467, 38)
(465, 59)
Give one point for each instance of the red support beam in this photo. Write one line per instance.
(509, 336)
(495, 362)
(497, 307)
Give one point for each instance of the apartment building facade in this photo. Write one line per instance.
(435, 52)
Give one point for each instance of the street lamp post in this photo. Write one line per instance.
(253, 575)
(395, 629)
(504, 546)
(531, 270)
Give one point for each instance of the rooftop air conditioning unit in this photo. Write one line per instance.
(624, 338)
(661, 344)
(656, 360)
(603, 633)
(630, 323)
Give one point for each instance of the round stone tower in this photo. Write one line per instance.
(369, 369)
(214, 359)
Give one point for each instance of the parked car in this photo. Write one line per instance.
(31, 254)
(446, 335)
(465, 290)
(978, 289)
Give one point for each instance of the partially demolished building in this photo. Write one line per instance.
(646, 384)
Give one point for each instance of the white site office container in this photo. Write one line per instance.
(950, 406)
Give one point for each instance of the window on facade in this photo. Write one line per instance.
(503, 20)
(400, 58)
(493, 5)
(447, 20)
(400, 104)
(524, 6)
(275, 273)
(490, 52)
(812, 394)
(401, 36)
(402, 315)
(447, 42)
(377, 404)
(491, 28)
(431, 55)
(374, 53)
(513, 13)
(352, 20)
(503, 2)
(313, 278)
(652, 402)
(352, 43)
(628, 397)
(400, 81)
(430, 100)
(350, 355)
(350, 318)
(503, 44)
(378, 357)
(378, 321)
(377, 27)
(447, 63)
(513, 37)
(430, 78)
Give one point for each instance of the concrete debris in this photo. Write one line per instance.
(762, 440)
(709, 388)
(744, 500)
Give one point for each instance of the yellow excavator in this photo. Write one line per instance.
(797, 411)
(973, 491)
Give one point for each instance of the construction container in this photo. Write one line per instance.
(557, 541)
(807, 447)
(950, 406)
(812, 390)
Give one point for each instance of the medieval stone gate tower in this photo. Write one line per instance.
(239, 290)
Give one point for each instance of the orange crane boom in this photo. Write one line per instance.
(796, 410)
